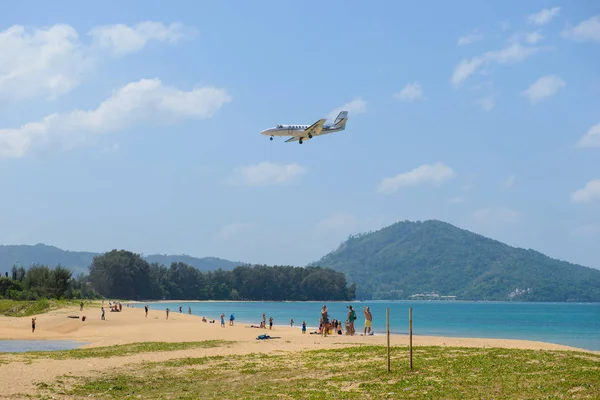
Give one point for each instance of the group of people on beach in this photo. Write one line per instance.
(329, 326)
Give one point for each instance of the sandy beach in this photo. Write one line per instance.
(130, 326)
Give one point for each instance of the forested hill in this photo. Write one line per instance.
(78, 261)
(409, 258)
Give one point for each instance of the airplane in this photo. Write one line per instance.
(306, 132)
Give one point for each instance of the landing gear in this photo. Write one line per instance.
(300, 141)
(309, 136)
(271, 138)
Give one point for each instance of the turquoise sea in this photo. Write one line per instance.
(571, 324)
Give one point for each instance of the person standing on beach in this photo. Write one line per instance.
(270, 323)
(303, 327)
(264, 321)
(189, 310)
(222, 320)
(292, 323)
(33, 324)
(146, 309)
(231, 318)
(351, 319)
(167, 311)
(324, 320)
(368, 320)
(102, 317)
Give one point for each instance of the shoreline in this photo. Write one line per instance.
(379, 329)
(131, 326)
(356, 301)
(20, 373)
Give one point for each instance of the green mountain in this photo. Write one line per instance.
(78, 261)
(411, 258)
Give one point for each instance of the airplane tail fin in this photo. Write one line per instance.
(341, 119)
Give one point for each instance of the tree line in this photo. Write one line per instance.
(40, 281)
(121, 274)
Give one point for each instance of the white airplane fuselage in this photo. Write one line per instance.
(297, 130)
(305, 132)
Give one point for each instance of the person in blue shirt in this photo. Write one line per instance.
(231, 318)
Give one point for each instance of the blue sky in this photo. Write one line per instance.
(137, 125)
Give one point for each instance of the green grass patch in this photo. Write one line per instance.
(353, 373)
(121, 350)
(17, 308)
(26, 308)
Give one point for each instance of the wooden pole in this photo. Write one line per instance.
(410, 334)
(387, 324)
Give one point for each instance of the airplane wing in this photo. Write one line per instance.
(313, 130)
(316, 128)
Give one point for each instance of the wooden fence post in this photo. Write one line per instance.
(410, 335)
(387, 324)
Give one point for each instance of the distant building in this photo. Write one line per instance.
(431, 296)
(518, 292)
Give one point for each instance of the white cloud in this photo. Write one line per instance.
(527, 37)
(510, 181)
(267, 173)
(411, 92)
(231, 230)
(339, 222)
(122, 39)
(425, 173)
(590, 192)
(50, 62)
(544, 87)
(486, 103)
(470, 38)
(513, 54)
(457, 200)
(494, 216)
(533, 37)
(591, 138)
(356, 106)
(585, 30)
(544, 16)
(43, 62)
(138, 102)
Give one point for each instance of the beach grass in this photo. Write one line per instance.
(350, 373)
(25, 308)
